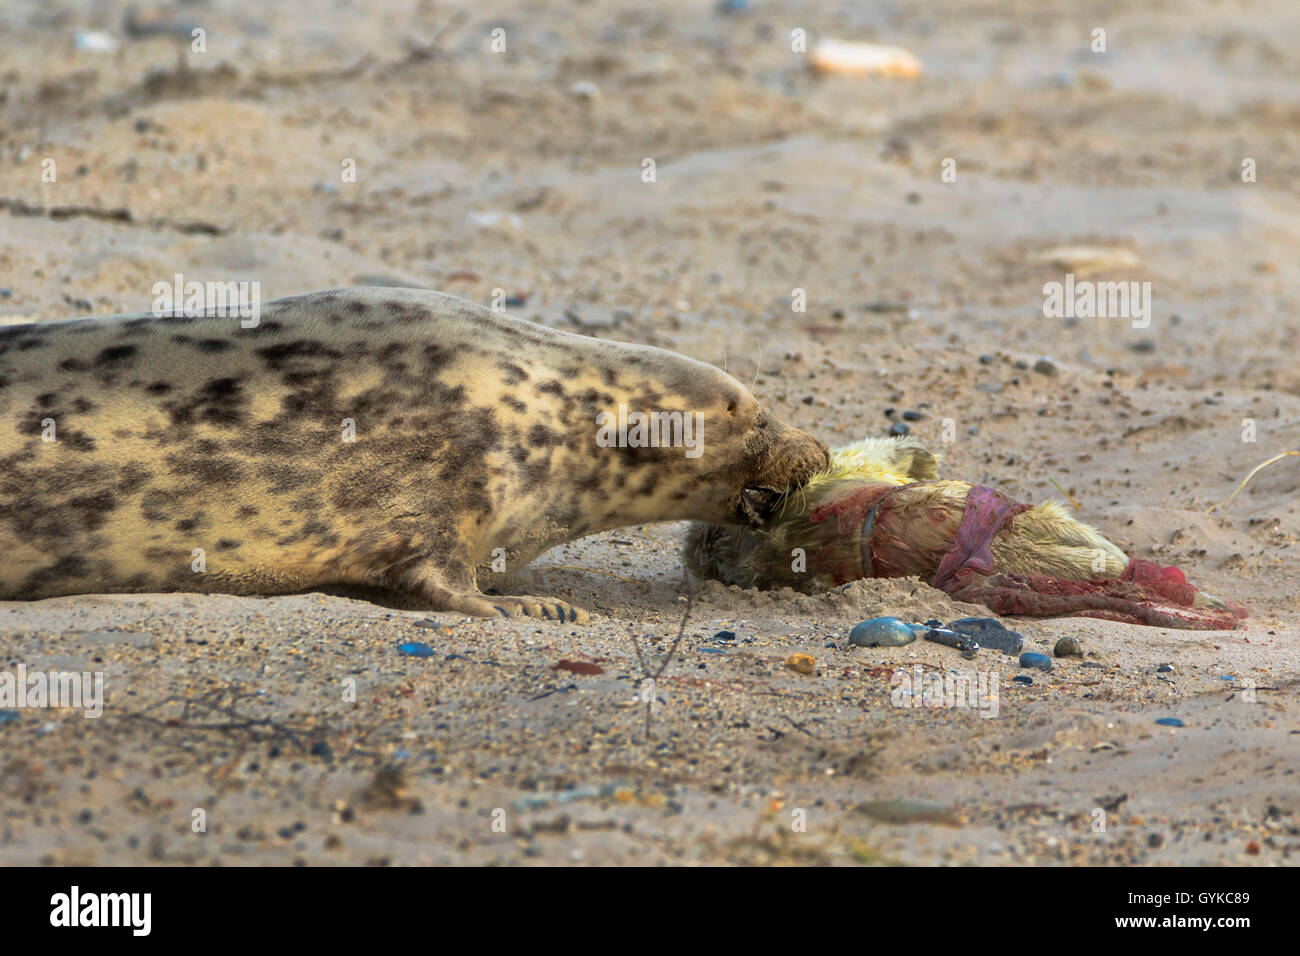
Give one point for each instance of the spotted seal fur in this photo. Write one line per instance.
(190, 453)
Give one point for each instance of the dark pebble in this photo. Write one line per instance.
(1067, 647)
(941, 635)
(1164, 669)
(1022, 679)
(1170, 722)
(989, 632)
(898, 430)
(1037, 661)
(912, 416)
(724, 637)
(322, 750)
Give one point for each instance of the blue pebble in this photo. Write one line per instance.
(1022, 679)
(1170, 722)
(416, 649)
(1038, 661)
(8, 716)
(884, 632)
(1164, 669)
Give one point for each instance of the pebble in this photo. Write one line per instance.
(1067, 647)
(988, 632)
(416, 649)
(899, 430)
(1045, 366)
(322, 750)
(883, 632)
(1022, 679)
(1038, 661)
(1164, 669)
(941, 635)
(8, 716)
(903, 811)
(912, 416)
(724, 637)
(801, 663)
(1170, 722)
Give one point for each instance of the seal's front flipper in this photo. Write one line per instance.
(431, 583)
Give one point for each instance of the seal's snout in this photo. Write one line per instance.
(791, 458)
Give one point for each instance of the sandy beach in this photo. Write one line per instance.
(918, 219)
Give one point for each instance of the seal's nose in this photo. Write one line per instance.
(796, 457)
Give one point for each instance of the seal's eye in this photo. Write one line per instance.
(731, 408)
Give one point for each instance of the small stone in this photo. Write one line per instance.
(988, 632)
(1155, 840)
(883, 632)
(941, 635)
(903, 811)
(416, 649)
(1170, 722)
(322, 750)
(1165, 669)
(1045, 366)
(801, 663)
(1037, 661)
(724, 637)
(899, 430)
(8, 716)
(1022, 679)
(911, 415)
(1067, 647)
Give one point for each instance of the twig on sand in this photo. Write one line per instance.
(252, 729)
(653, 679)
(1253, 472)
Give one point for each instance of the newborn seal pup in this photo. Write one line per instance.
(384, 437)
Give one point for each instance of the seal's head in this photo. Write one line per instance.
(741, 460)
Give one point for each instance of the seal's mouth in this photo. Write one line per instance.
(758, 504)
